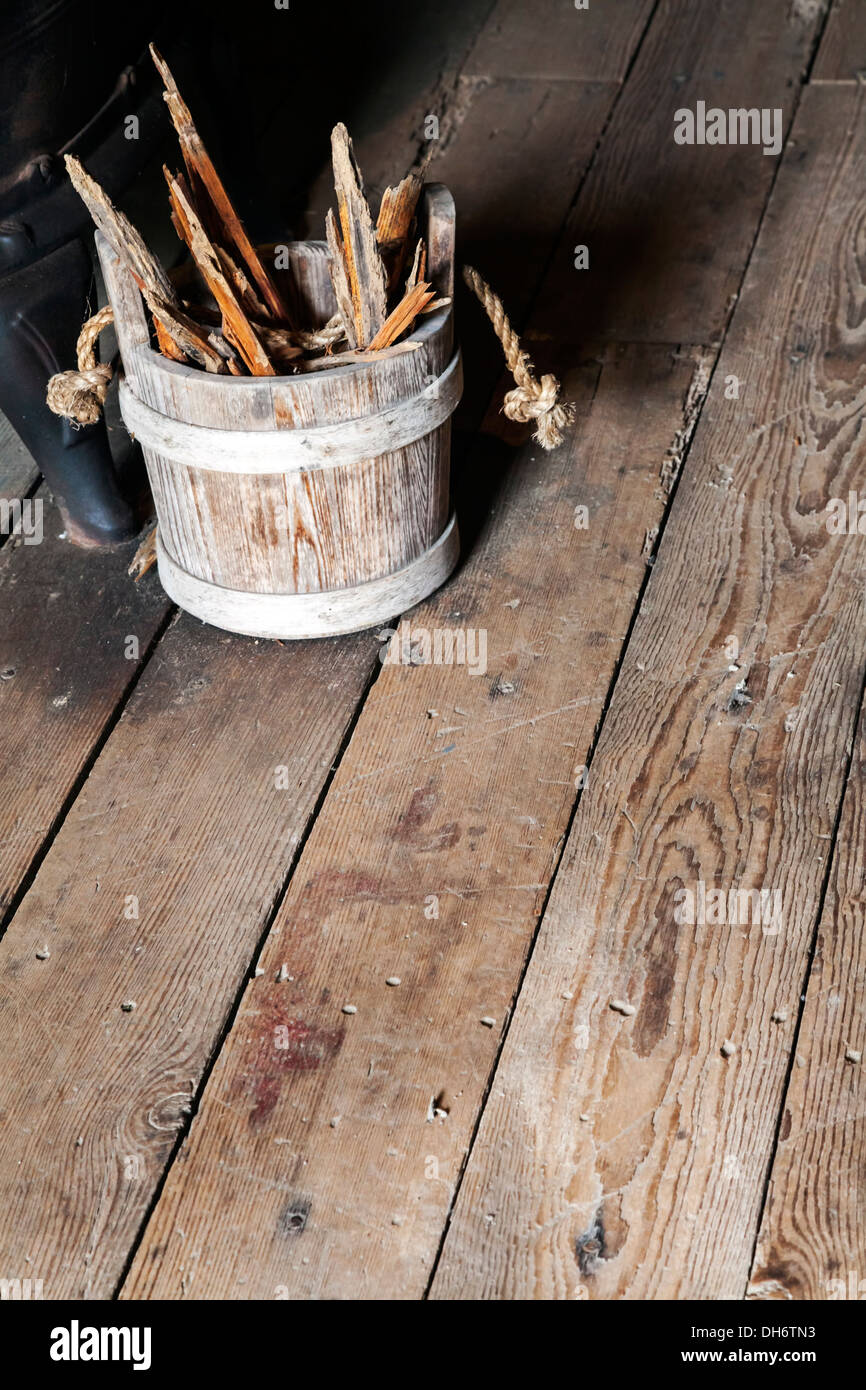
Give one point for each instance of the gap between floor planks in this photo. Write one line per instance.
(62, 572)
(759, 203)
(810, 1248)
(595, 1207)
(91, 787)
(466, 821)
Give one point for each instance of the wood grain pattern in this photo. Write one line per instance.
(842, 55)
(621, 1154)
(669, 227)
(354, 250)
(319, 613)
(190, 819)
(329, 445)
(65, 662)
(394, 224)
(625, 1156)
(812, 1243)
(102, 1198)
(170, 319)
(555, 39)
(384, 501)
(452, 796)
(240, 333)
(307, 284)
(210, 192)
(18, 471)
(536, 140)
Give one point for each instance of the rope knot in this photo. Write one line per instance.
(80, 395)
(539, 401)
(530, 399)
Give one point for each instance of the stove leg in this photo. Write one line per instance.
(42, 308)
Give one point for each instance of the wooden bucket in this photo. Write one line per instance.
(307, 505)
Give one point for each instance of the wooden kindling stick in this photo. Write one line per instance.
(531, 399)
(212, 202)
(249, 328)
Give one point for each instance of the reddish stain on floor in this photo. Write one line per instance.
(278, 1045)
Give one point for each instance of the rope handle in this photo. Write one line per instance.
(531, 399)
(80, 395)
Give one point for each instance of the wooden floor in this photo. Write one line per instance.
(579, 1088)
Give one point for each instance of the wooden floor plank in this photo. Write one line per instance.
(156, 890)
(623, 1151)
(419, 56)
(842, 55)
(74, 633)
(552, 39)
(512, 153)
(669, 226)
(342, 1173)
(18, 472)
(812, 1243)
(512, 149)
(534, 140)
(328, 1142)
(405, 801)
(144, 1064)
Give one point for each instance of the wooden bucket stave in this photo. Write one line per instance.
(300, 506)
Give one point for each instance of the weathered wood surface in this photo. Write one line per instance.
(306, 283)
(144, 756)
(214, 202)
(813, 1233)
(379, 430)
(65, 662)
(66, 659)
(669, 227)
(179, 336)
(190, 820)
(205, 828)
(453, 796)
(625, 1155)
(842, 55)
(535, 140)
(550, 39)
(262, 1262)
(18, 471)
(315, 614)
(356, 262)
(329, 444)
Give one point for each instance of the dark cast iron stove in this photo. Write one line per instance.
(71, 73)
